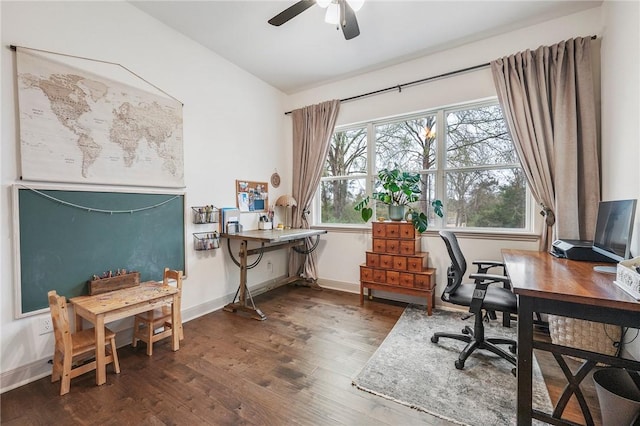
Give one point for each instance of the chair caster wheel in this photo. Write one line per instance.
(434, 339)
(513, 348)
(513, 371)
(459, 364)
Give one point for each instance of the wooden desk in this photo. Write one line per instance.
(269, 240)
(568, 288)
(106, 307)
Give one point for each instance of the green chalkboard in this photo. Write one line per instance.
(68, 236)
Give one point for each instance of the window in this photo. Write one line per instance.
(345, 176)
(471, 166)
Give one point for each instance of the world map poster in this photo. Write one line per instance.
(79, 127)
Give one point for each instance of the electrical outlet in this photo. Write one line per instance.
(269, 266)
(45, 326)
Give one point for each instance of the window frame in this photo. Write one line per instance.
(438, 173)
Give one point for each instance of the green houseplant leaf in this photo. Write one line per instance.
(398, 188)
(366, 212)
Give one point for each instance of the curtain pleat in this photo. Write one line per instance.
(312, 130)
(547, 97)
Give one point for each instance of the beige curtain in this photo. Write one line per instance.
(312, 130)
(547, 97)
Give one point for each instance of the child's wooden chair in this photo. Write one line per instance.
(155, 325)
(73, 347)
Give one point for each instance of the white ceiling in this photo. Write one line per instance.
(306, 52)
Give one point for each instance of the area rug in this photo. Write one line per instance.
(411, 370)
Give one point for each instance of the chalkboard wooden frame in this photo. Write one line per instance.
(61, 244)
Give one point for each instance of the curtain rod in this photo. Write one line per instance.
(399, 87)
(422, 80)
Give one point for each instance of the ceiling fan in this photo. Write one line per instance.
(339, 12)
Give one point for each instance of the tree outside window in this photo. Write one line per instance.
(344, 180)
(477, 174)
(485, 185)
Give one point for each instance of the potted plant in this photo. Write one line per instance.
(398, 189)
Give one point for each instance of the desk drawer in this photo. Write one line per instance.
(386, 261)
(366, 274)
(409, 247)
(373, 259)
(393, 277)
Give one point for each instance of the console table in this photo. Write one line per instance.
(269, 240)
(546, 284)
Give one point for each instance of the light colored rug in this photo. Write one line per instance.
(409, 369)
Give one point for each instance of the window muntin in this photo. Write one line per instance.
(344, 181)
(471, 166)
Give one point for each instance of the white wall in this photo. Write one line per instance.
(621, 109)
(233, 129)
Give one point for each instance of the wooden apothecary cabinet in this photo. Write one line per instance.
(396, 264)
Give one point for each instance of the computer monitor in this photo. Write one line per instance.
(614, 227)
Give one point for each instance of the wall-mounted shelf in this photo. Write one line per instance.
(205, 214)
(206, 240)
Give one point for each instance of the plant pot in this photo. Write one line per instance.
(396, 213)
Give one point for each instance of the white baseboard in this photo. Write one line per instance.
(339, 285)
(25, 374)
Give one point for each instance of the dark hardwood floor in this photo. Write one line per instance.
(294, 368)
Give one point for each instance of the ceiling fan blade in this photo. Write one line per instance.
(350, 27)
(291, 12)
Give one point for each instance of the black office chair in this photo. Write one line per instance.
(482, 300)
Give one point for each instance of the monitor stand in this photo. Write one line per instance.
(606, 269)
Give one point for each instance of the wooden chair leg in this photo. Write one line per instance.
(56, 370)
(65, 383)
(114, 353)
(150, 339)
(136, 327)
(179, 329)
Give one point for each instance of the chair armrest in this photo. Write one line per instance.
(490, 263)
(485, 265)
(482, 281)
(491, 278)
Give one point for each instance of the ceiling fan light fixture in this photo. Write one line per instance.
(356, 5)
(339, 13)
(333, 14)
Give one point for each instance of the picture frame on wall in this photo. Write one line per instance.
(252, 196)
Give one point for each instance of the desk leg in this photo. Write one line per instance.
(78, 323)
(242, 305)
(101, 368)
(525, 360)
(176, 325)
